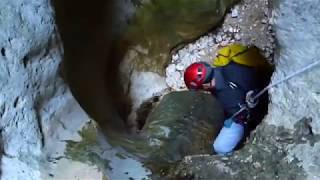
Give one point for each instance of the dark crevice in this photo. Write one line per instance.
(144, 111)
(2, 110)
(3, 52)
(304, 132)
(39, 121)
(142, 114)
(62, 124)
(261, 110)
(15, 103)
(307, 122)
(25, 61)
(310, 130)
(40, 130)
(129, 83)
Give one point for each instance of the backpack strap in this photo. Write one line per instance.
(224, 82)
(230, 83)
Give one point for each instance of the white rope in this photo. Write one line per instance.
(277, 83)
(286, 78)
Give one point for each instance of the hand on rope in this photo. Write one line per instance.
(250, 100)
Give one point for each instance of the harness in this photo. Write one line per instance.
(225, 84)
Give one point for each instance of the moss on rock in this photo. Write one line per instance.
(161, 25)
(183, 123)
(88, 150)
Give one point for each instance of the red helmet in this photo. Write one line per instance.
(197, 74)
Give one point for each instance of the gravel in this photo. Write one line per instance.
(249, 22)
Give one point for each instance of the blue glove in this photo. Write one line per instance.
(228, 138)
(227, 123)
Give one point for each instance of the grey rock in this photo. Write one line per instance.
(218, 38)
(234, 13)
(237, 37)
(264, 21)
(298, 98)
(231, 29)
(37, 110)
(175, 57)
(224, 43)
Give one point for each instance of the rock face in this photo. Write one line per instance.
(286, 145)
(295, 104)
(37, 110)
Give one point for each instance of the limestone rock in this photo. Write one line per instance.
(37, 110)
(234, 13)
(298, 98)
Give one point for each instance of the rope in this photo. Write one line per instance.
(277, 83)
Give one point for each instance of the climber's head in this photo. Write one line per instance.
(198, 74)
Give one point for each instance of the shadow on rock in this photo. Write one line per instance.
(91, 60)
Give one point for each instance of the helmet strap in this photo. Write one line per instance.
(209, 75)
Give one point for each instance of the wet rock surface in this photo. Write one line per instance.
(112, 160)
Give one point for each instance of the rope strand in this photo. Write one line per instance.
(277, 83)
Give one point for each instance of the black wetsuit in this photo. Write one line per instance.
(232, 82)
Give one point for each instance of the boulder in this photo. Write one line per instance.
(183, 123)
